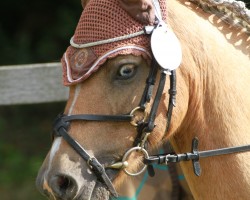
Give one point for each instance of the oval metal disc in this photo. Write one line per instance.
(166, 48)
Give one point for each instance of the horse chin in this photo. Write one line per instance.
(99, 192)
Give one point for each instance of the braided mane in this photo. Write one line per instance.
(232, 12)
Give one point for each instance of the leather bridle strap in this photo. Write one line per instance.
(148, 91)
(172, 98)
(60, 128)
(195, 155)
(148, 125)
(157, 99)
(89, 117)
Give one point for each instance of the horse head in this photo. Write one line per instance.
(113, 114)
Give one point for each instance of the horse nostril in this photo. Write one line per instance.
(64, 187)
(63, 182)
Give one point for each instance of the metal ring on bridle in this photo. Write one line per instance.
(132, 114)
(128, 153)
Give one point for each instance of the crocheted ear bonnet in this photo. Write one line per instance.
(90, 47)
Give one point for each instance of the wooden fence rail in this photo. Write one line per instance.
(29, 84)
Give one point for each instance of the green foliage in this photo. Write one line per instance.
(16, 166)
(36, 31)
(24, 143)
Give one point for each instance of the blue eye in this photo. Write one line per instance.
(126, 71)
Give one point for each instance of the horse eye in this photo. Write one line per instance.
(126, 71)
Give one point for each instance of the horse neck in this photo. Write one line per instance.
(215, 72)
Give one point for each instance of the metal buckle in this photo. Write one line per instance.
(166, 159)
(126, 156)
(89, 161)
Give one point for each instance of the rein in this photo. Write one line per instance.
(195, 155)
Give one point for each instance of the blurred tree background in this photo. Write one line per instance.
(30, 32)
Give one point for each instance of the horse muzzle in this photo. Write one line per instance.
(70, 182)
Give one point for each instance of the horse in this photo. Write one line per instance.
(95, 148)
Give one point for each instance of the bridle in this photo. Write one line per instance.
(144, 128)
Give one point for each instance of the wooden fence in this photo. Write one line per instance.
(29, 84)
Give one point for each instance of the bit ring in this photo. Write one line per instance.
(128, 153)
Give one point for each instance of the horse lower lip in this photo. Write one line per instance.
(99, 192)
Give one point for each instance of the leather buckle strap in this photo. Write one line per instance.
(172, 98)
(87, 117)
(150, 82)
(157, 99)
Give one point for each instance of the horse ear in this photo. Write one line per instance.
(84, 2)
(141, 10)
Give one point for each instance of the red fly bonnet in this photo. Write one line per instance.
(104, 31)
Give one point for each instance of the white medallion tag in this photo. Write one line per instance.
(166, 47)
